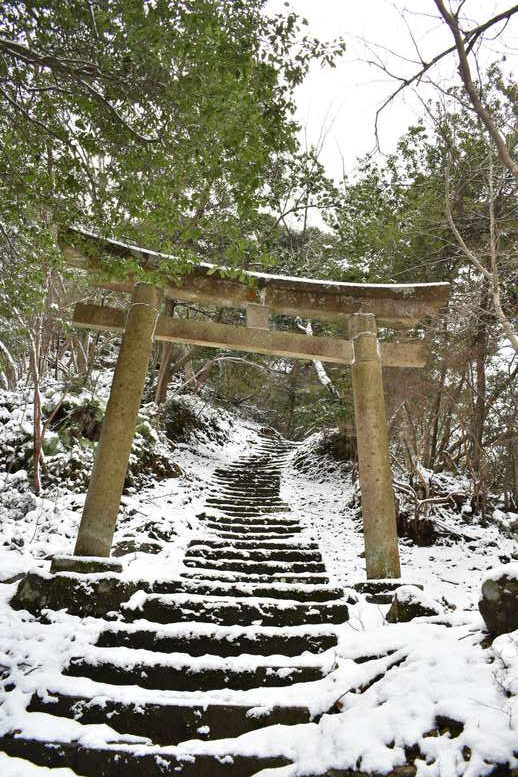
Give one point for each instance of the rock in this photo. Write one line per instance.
(125, 547)
(421, 531)
(507, 522)
(410, 602)
(499, 603)
(381, 591)
(80, 594)
(84, 564)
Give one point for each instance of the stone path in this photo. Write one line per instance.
(203, 656)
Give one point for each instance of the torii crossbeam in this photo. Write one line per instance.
(398, 306)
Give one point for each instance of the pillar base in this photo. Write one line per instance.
(382, 591)
(86, 565)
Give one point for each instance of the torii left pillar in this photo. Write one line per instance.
(114, 447)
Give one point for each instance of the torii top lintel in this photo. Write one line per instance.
(399, 306)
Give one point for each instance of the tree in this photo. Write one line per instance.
(464, 44)
(496, 119)
(393, 226)
(154, 122)
(150, 121)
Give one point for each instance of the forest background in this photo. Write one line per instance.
(171, 126)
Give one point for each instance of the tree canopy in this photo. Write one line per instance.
(156, 122)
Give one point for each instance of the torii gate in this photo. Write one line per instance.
(398, 306)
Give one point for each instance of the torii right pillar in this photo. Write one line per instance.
(377, 495)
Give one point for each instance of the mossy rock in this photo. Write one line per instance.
(79, 420)
(408, 603)
(79, 594)
(180, 420)
(125, 547)
(499, 603)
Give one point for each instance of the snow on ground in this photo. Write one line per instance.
(429, 668)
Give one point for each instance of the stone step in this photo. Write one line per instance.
(234, 554)
(243, 490)
(237, 611)
(246, 489)
(179, 672)
(222, 641)
(114, 761)
(224, 496)
(256, 544)
(298, 593)
(280, 449)
(260, 478)
(166, 723)
(251, 469)
(245, 577)
(245, 500)
(237, 483)
(251, 466)
(249, 504)
(240, 527)
(259, 520)
(261, 515)
(251, 536)
(246, 504)
(257, 567)
(244, 480)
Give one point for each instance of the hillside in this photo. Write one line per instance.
(434, 692)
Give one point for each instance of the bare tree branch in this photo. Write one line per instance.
(452, 20)
(492, 275)
(466, 39)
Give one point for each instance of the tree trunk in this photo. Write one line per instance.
(166, 355)
(293, 380)
(478, 466)
(36, 419)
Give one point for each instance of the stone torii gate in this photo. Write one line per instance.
(365, 306)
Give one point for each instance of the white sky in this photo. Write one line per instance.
(342, 102)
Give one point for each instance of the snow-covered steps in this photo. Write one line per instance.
(240, 498)
(203, 638)
(301, 592)
(244, 496)
(165, 723)
(131, 760)
(265, 544)
(227, 611)
(198, 550)
(229, 527)
(246, 519)
(242, 637)
(182, 672)
(256, 567)
(247, 577)
(253, 492)
(232, 508)
(267, 485)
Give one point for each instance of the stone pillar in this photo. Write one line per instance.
(377, 497)
(114, 447)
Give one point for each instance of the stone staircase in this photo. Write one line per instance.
(230, 645)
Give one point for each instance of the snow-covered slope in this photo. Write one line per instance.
(430, 690)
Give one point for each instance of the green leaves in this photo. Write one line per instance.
(152, 122)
